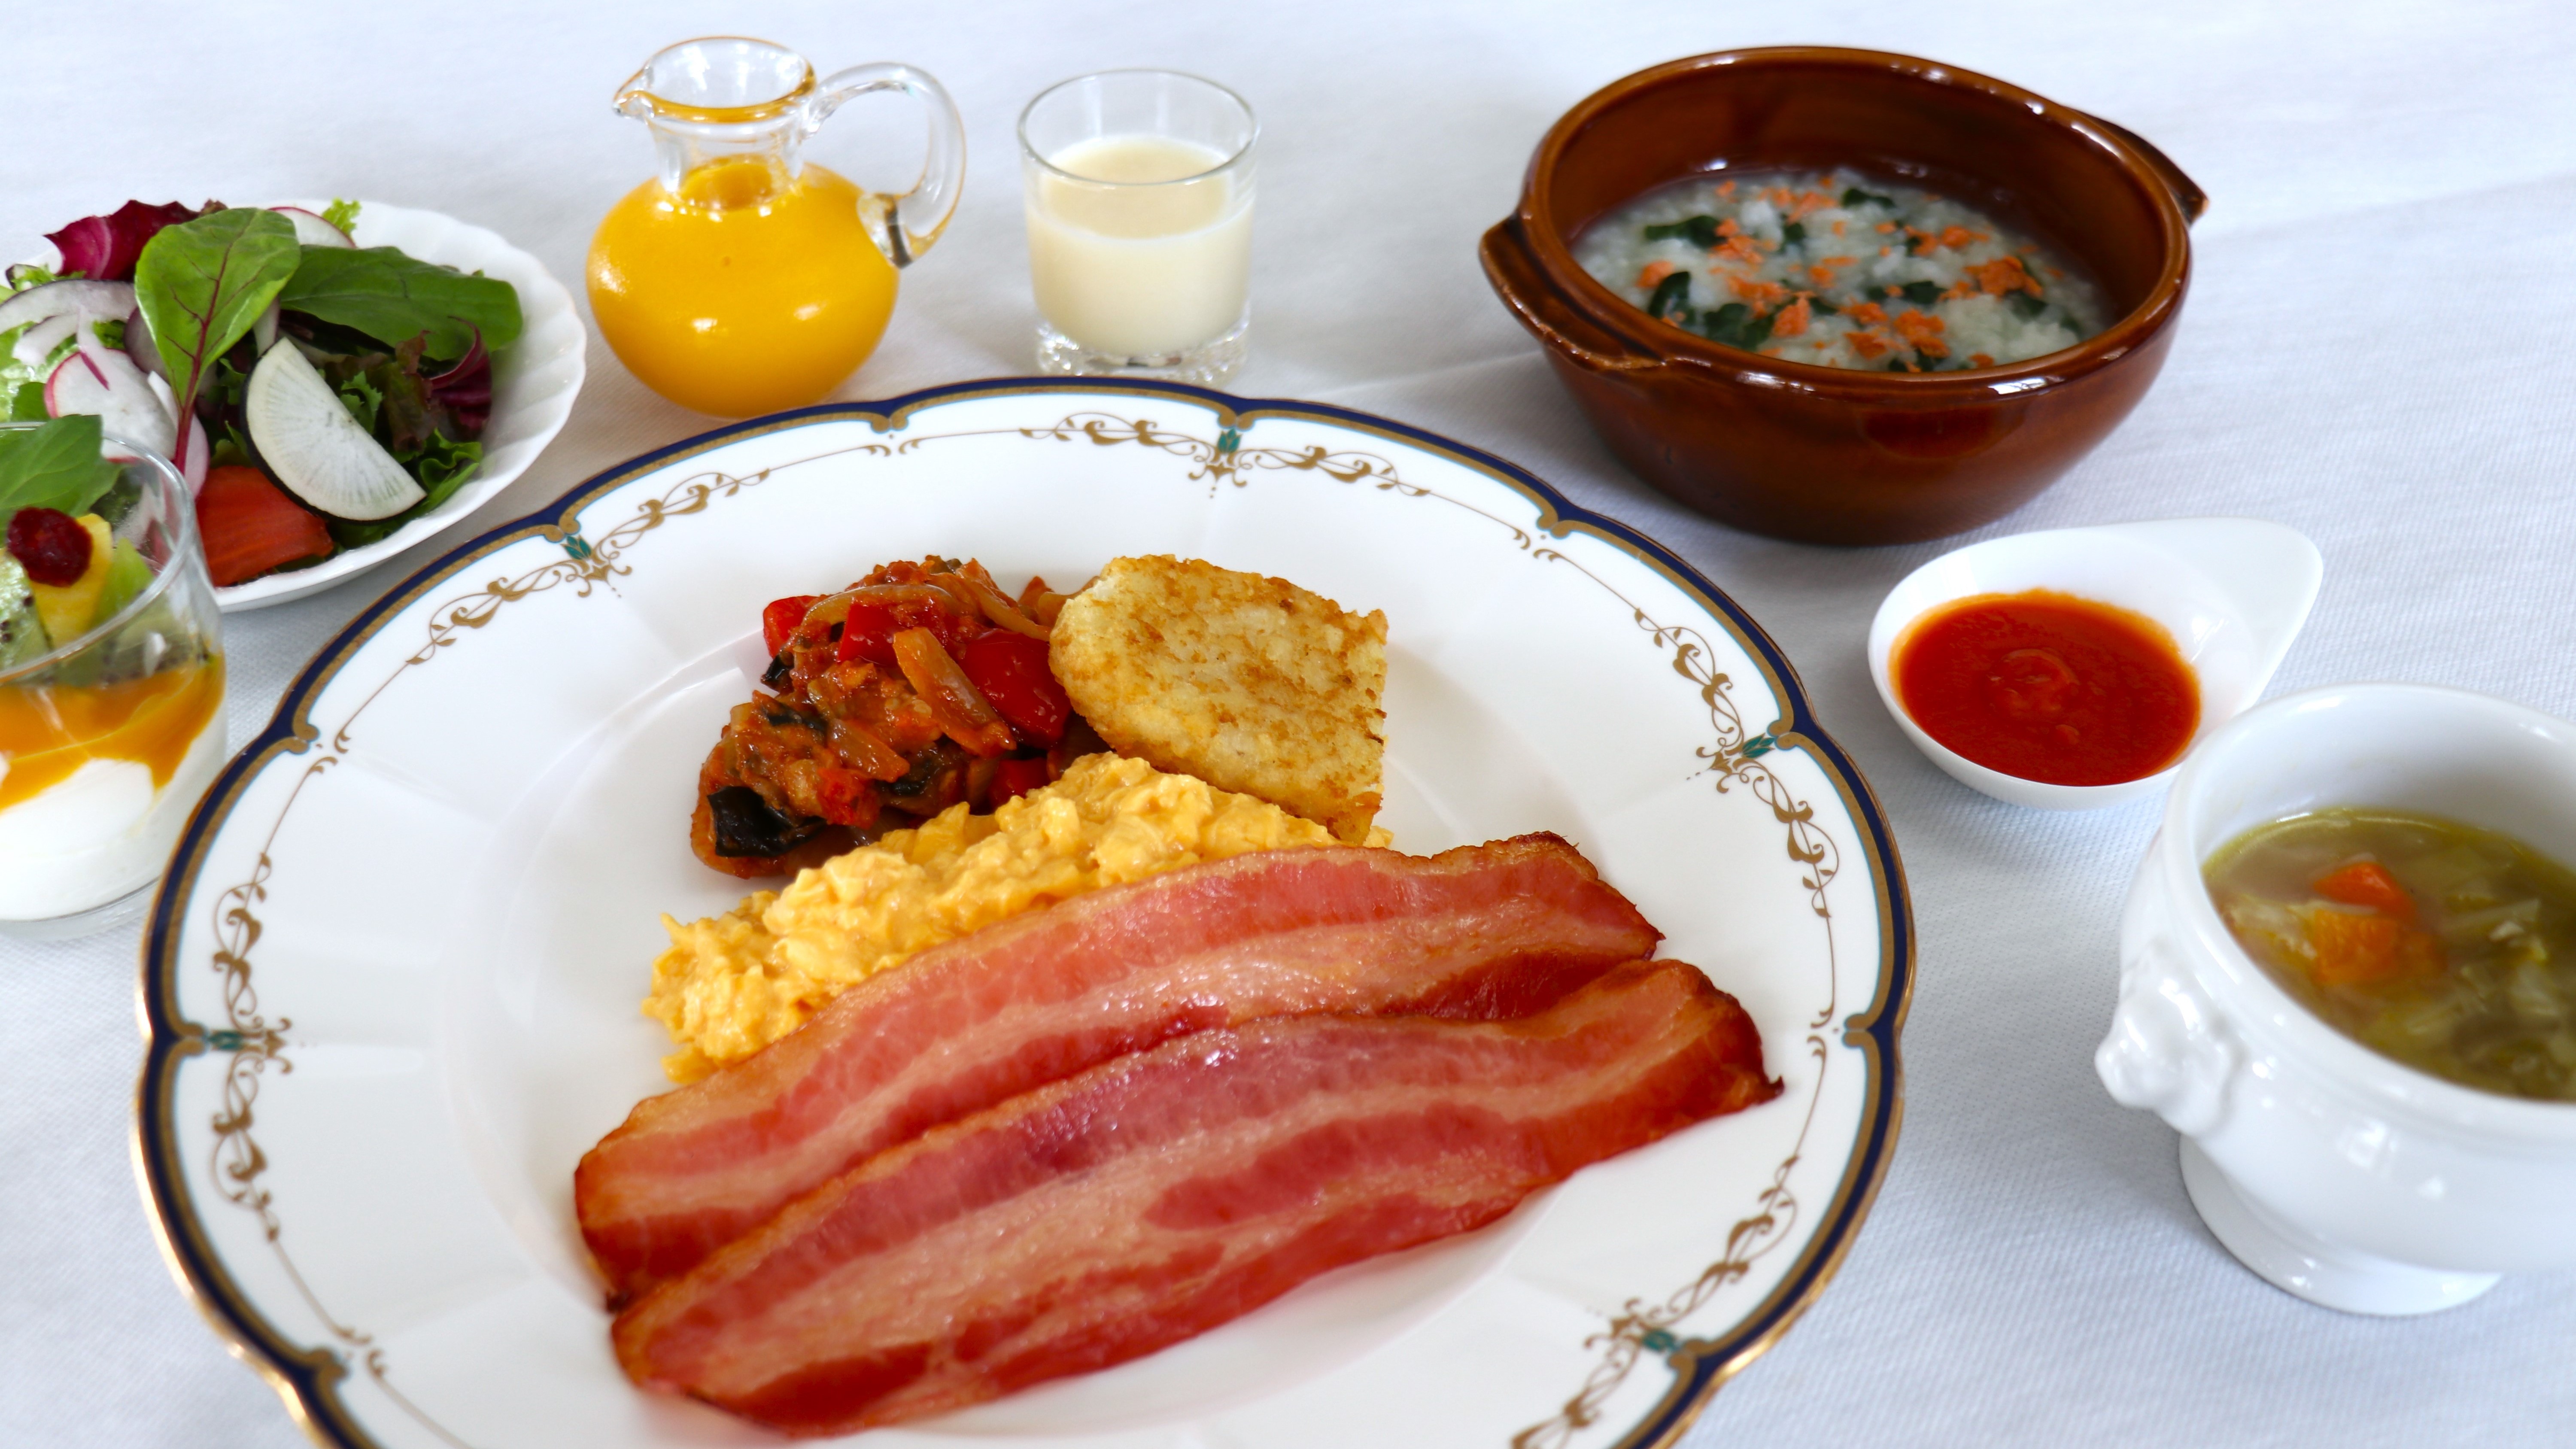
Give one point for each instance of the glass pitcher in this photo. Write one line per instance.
(742, 279)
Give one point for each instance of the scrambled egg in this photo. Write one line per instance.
(733, 984)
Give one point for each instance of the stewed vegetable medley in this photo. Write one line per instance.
(2448, 947)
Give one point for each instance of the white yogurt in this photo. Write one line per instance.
(100, 833)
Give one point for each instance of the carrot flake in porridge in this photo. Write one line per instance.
(1752, 260)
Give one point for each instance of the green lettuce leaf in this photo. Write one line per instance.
(15, 375)
(342, 213)
(394, 298)
(442, 466)
(54, 466)
(361, 398)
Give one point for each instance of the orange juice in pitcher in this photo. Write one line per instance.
(742, 279)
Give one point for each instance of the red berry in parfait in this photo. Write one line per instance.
(50, 545)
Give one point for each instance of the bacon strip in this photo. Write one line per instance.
(1484, 932)
(1108, 1215)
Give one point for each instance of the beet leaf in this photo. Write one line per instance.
(202, 283)
(105, 248)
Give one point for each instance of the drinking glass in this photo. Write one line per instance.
(108, 737)
(1139, 192)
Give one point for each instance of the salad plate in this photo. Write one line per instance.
(533, 386)
(391, 982)
(534, 383)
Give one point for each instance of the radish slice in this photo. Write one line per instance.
(91, 343)
(39, 341)
(263, 331)
(312, 230)
(315, 448)
(138, 345)
(193, 468)
(106, 383)
(38, 304)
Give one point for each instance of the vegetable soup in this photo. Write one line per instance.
(2447, 947)
(1840, 270)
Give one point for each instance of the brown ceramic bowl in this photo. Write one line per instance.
(1835, 455)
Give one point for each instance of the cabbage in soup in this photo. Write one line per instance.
(2448, 947)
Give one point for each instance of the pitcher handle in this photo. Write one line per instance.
(909, 224)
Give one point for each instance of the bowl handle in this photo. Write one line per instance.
(2168, 1050)
(1516, 278)
(2186, 192)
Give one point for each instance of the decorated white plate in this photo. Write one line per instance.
(392, 978)
(533, 384)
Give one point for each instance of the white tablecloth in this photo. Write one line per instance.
(2375, 351)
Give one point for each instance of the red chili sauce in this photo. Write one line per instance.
(2048, 687)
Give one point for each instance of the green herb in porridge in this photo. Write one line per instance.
(1839, 270)
(2450, 948)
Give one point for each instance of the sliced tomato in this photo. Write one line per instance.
(781, 618)
(2367, 884)
(1011, 671)
(251, 527)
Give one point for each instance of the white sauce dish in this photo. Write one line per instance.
(2232, 592)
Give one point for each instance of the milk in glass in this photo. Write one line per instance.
(1138, 245)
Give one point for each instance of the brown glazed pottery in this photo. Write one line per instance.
(1835, 455)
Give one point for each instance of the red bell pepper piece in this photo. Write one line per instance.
(781, 618)
(1014, 778)
(1011, 671)
(868, 633)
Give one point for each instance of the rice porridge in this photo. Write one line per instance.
(1839, 270)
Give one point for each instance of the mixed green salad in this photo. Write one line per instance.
(316, 394)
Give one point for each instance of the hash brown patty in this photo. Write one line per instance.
(1250, 683)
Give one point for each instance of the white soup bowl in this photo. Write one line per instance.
(2330, 1170)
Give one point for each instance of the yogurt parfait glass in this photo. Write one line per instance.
(108, 736)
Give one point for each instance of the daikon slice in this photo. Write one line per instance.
(315, 448)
